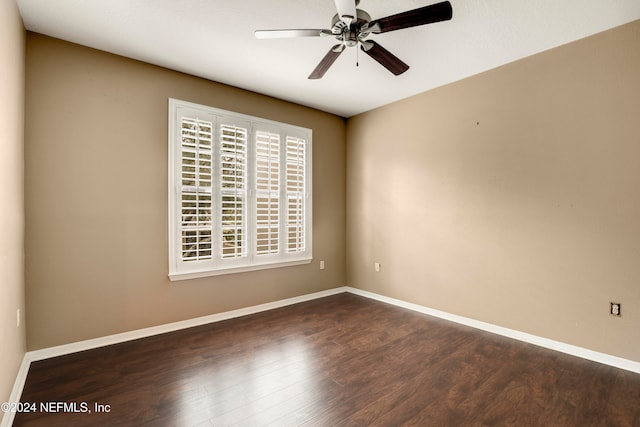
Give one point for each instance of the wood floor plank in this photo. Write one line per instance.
(343, 360)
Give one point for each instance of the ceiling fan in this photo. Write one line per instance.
(352, 26)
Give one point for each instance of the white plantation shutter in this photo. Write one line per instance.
(195, 201)
(267, 193)
(233, 191)
(296, 194)
(239, 192)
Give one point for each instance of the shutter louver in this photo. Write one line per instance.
(233, 191)
(195, 194)
(267, 193)
(296, 194)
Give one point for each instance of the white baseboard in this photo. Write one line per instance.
(573, 350)
(61, 350)
(584, 353)
(16, 391)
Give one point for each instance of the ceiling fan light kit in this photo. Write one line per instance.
(352, 26)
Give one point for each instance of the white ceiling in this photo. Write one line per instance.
(214, 39)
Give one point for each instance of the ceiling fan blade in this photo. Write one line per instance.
(412, 18)
(384, 57)
(327, 61)
(280, 34)
(346, 10)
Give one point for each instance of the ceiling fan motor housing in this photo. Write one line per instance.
(351, 34)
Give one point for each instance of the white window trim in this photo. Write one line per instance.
(180, 270)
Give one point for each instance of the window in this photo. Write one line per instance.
(239, 192)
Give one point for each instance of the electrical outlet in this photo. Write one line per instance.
(615, 309)
(376, 267)
(321, 265)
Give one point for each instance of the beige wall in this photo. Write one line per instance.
(12, 338)
(96, 197)
(512, 197)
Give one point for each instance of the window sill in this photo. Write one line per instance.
(256, 267)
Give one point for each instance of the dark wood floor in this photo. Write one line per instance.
(343, 360)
